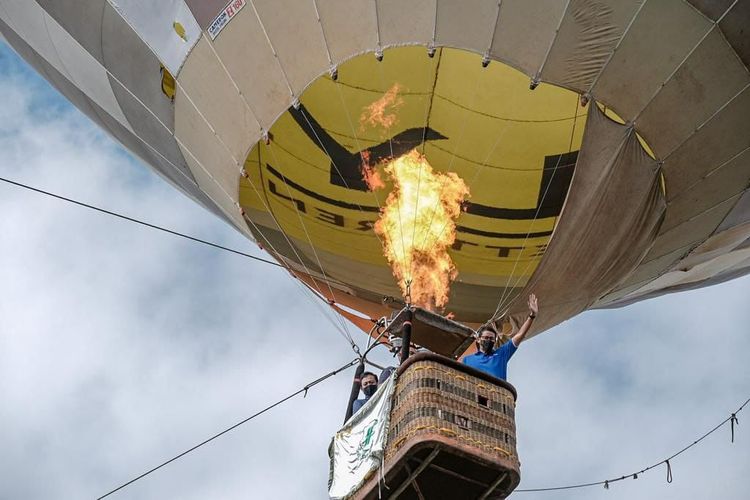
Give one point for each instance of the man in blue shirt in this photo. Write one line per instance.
(495, 361)
(369, 384)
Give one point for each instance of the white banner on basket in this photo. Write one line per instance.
(357, 450)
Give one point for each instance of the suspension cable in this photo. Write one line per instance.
(266, 205)
(264, 410)
(137, 221)
(634, 475)
(383, 82)
(338, 83)
(506, 293)
(428, 110)
(326, 279)
(428, 227)
(165, 230)
(480, 167)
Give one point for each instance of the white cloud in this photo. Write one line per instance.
(611, 392)
(120, 347)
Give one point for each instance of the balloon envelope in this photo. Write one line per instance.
(604, 143)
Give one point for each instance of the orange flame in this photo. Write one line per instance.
(382, 112)
(417, 226)
(369, 174)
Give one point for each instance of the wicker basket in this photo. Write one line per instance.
(452, 433)
(433, 398)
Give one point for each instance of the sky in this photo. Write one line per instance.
(121, 347)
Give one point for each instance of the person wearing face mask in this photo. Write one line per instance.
(369, 384)
(495, 361)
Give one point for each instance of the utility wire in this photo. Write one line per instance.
(267, 408)
(634, 475)
(732, 418)
(341, 327)
(143, 223)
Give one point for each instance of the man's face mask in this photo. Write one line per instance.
(369, 390)
(486, 344)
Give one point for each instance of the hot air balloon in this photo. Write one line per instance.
(602, 146)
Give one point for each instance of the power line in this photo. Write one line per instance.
(137, 221)
(634, 475)
(267, 408)
(341, 326)
(732, 418)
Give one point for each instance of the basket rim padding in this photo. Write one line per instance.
(455, 365)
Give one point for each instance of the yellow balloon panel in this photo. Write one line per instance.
(514, 148)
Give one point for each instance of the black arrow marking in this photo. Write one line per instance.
(346, 167)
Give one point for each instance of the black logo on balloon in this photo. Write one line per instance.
(345, 166)
(345, 171)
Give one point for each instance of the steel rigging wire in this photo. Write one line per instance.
(634, 475)
(264, 410)
(344, 332)
(732, 419)
(137, 221)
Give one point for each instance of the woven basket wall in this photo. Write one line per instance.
(432, 398)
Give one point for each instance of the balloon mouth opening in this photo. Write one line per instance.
(318, 188)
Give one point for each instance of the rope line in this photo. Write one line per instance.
(343, 328)
(426, 231)
(427, 112)
(326, 279)
(507, 294)
(265, 201)
(482, 165)
(383, 83)
(358, 141)
(303, 285)
(264, 410)
(305, 288)
(325, 150)
(137, 221)
(327, 312)
(634, 475)
(168, 231)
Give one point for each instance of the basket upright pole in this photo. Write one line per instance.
(355, 388)
(406, 335)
